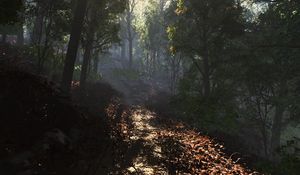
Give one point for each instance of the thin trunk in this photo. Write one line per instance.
(265, 140)
(96, 62)
(130, 38)
(20, 41)
(85, 65)
(206, 68)
(77, 25)
(43, 50)
(123, 50)
(206, 78)
(153, 63)
(88, 50)
(147, 63)
(38, 24)
(130, 47)
(277, 122)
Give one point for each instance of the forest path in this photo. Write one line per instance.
(149, 159)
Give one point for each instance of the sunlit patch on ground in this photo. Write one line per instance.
(143, 130)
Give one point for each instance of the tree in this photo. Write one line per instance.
(201, 29)
(50, 26)
(282, 17)
(101, 31)
(154, 36)
(128, 19)
(267, 71)
(77, 25)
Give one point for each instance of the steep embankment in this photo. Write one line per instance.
(44, 132)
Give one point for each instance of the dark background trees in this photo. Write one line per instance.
(248, 66)
(227, 67)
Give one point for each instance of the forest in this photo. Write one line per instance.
(96, 87)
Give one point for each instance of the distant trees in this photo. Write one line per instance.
(277, 64)
(154, 38)
(248, 67)
(101, 31)
(157, 62)
(202, 32)
(129, 33)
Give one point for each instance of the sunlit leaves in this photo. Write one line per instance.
(190, 152)
(181, 8)
(172, 50)
(171, 30)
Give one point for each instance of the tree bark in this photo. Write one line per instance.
(20, 40)
(96, 62)
(206, 78)
(277, 122)
(38, 24)
(123, 50)
(130, 48)
(77, 25)
(88, 49)
(129, 37)
(85, 65)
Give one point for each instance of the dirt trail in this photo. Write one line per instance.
(148, 161)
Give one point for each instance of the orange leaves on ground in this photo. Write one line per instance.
(192, 153)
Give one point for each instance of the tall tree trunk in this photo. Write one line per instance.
(277, 122)
(147, 63)
(85, 65)
(206, 69)
(88, 50)
(129, 38)
(96, 62)
(20, 40)
(38, 24)
(130, 48)
(123, 50)
(77, 25)
(154, 63)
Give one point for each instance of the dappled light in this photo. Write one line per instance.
(149, 87)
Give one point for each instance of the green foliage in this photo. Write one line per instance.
(105, 22)
(289, 165)
(215, 113)
(253, 68)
